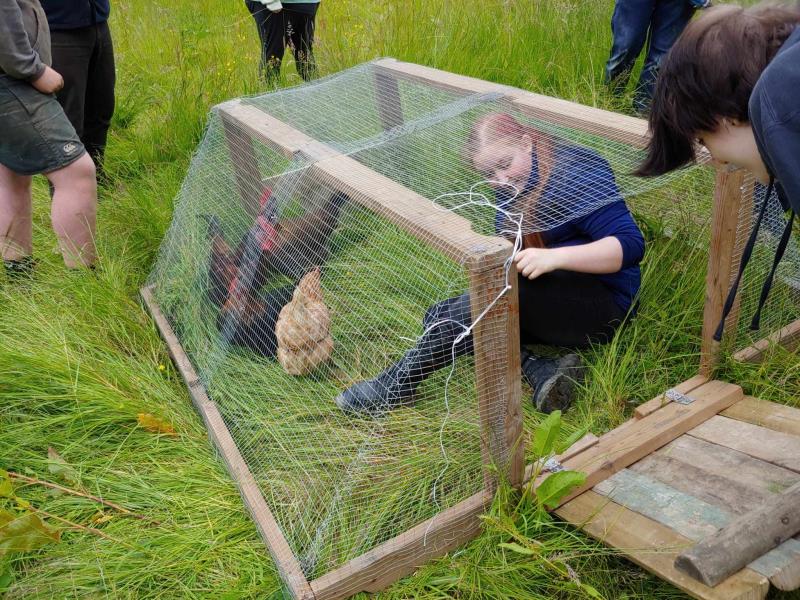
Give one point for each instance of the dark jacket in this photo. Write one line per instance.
(24, 39)
(775, 118)
(72, 14)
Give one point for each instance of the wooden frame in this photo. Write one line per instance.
(483, 257)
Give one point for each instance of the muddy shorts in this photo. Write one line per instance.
(35, 134)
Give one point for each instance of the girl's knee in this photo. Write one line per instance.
(78, 174)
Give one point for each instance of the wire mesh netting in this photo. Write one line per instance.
(782, 306)
(331, 234)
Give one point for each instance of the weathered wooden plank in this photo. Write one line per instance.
(689, 516)
(743, 539)
(662, 399)
(622, 128)
(403, 554)
(774, 447)
(653, 546)
(726, 478)
(721, 264)
(619, 448)
(788, 337)
(766, 414)
(266, 524)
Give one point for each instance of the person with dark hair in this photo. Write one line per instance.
(84, 55)
(36, 137)
(578, 268)
(281, 23)
(634, 22)
(731, 83)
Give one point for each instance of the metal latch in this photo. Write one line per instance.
(674, 395)
(551, 465)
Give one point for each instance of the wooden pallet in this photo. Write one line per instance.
(689, 488)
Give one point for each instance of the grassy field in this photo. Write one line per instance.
(80, 358)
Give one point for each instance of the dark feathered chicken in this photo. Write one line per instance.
(290, 247)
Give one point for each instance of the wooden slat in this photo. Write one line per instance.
(788, 337)
(726, 478)
(690, 516)
(744, 226)
(727, 201)
(766, 414)
(653, 546)
(402, 555)
(780, 449)
(622, 128)
(267, 526)
(245, 166)
(661, 400)
(622, 447)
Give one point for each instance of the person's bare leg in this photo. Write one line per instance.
(73, 211)
(15, 215)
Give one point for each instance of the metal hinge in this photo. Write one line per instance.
(674, 395)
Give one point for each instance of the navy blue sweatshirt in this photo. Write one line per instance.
(582, 183)
(72, 14)
(775, 118)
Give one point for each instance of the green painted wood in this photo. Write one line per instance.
(686, 515)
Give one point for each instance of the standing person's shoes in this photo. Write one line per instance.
(554, 380)
(19, 270)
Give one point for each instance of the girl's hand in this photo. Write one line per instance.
(533, 262)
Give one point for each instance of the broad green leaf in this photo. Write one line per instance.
(24, 532)
(61, 468)
(517, 548)
(6, 489)
(546, 434)
(5, 580)
(558, 485)
(571, 439)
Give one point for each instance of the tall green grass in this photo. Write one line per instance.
(80, 359)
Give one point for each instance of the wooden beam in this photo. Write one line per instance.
(402, 555)
(621, 128)
(662, 400)
(443, 230)
(788, 337)
(721, 265)
(267, 526)
(743, 540)
(743, 227)
(622, 447)
(653, 546)
(245, 165)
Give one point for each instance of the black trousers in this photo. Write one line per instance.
(85, 58)
(293, 25)
(562, 308)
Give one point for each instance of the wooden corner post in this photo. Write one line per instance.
(497, 369)
(722, 265)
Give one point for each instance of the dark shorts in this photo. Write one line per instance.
(36, 135)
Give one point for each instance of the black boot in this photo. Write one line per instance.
(435, 349)
(553, 380)
(19, 270)
(393, 388)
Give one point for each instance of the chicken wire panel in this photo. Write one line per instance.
(783, 304)
(327, 248)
